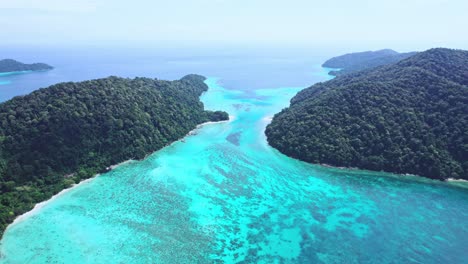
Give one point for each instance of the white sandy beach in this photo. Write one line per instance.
(456, 180)
(231, 118)
(41, 205)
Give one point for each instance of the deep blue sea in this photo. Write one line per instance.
(222, 195)
(241, 69)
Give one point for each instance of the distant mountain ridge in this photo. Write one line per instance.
(9, 65)
(358, 61)
(407, 117)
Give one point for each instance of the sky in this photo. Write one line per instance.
(403, 24)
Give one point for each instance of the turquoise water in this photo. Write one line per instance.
(2, 74)
(7, 74)
(224, 196)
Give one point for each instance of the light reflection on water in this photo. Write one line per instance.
(225, 195)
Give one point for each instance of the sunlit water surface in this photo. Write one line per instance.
(224, 195)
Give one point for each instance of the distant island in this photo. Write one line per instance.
(408, 117)
(359, 61)
(60, 135)
(9, 65)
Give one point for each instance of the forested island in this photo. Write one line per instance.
(408, 117)
(9, 65)
(60, 135)
(359, 61)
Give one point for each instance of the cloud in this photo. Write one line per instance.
(51, 5)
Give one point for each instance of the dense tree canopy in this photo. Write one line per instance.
(77, 129)
(408, 117)
(353, 62)
(9, 65)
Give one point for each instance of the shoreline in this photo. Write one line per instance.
(231, 118)
(448, 180)
(340, 167)
(37, 207)
(451, 181)
(456, 180)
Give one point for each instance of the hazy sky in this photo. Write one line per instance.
(368, 23)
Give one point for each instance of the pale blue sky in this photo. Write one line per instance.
(404, 24)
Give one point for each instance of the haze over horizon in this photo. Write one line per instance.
(362, 24)
(233, 131)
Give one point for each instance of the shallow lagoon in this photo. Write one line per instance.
(225, 195)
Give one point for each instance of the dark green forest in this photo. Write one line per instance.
(9, 65)
(408, 117)
(78, 129)
(359, 61)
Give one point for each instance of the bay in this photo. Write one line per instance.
(224, 195)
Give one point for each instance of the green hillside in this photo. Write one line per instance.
(408, 117)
